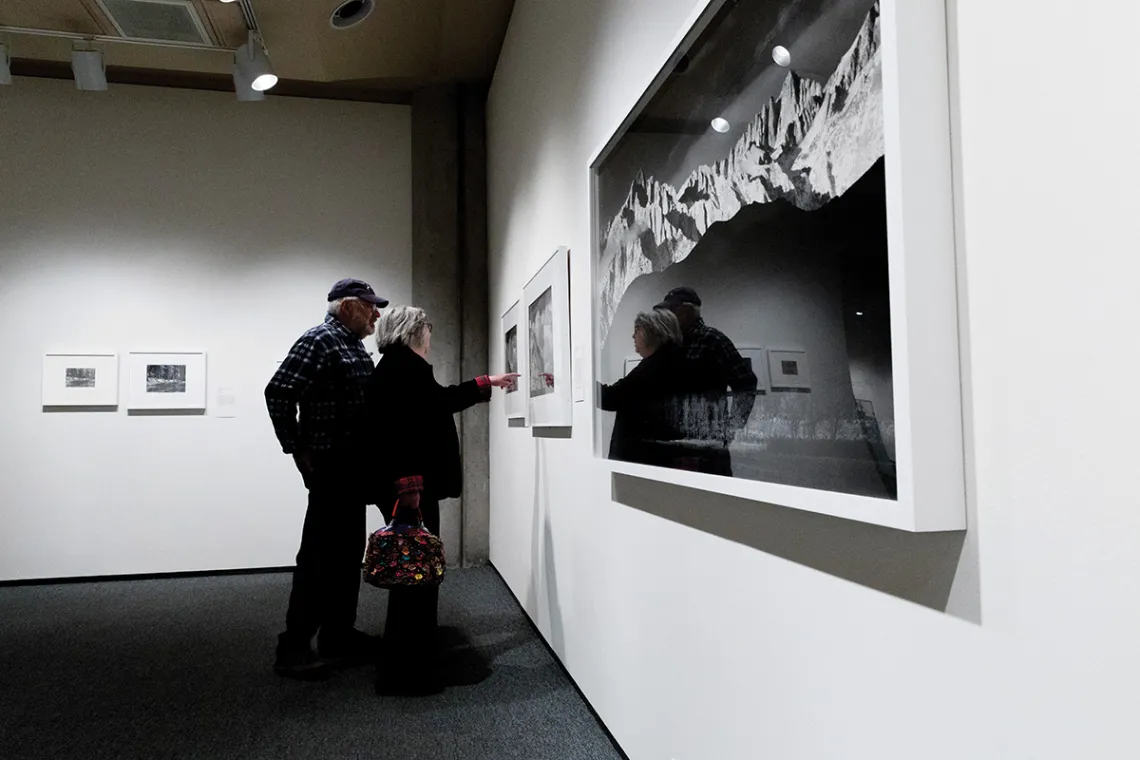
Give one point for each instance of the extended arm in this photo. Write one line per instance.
(456, 398)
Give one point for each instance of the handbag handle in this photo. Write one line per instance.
(419, 513)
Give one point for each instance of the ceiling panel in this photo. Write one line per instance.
(403, 45)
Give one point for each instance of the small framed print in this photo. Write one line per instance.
(514, 353)
(80, 381)
(167, 381)
(788, 371)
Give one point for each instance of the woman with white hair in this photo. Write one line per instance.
(647, 400)
(418, 464)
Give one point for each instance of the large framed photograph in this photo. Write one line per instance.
(514, 352)
(785, 181)
(167, 381)
(546, 304)
(76, 381)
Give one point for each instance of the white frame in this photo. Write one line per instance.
(923, 284)
(194, 399)
(781, 383)
(54, 392)
(554, 409)
(516, 402)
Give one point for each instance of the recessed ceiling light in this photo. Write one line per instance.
(229, 1)
(858, 313)
(721, 125)
(351, 12)
(781, 56)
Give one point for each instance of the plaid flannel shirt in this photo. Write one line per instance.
(323, 378)
(706, 346)
(415, 483)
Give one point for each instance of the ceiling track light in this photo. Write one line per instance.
(251, 66)
(89, 70)
(243, 87)
(5, 65)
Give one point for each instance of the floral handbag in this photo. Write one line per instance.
(404, 556)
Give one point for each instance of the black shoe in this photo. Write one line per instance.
(301, 664)
(350, 650)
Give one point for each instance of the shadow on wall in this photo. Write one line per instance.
(916, 567)
(543, 569)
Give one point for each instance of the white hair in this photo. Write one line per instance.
(660, 327)
(337, 307)
(400, 326)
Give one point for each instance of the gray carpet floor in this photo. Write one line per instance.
(181, 668)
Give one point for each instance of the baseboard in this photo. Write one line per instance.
(561, 665)
(142, 576)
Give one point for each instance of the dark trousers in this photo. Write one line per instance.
(410, 630)
(326, 582)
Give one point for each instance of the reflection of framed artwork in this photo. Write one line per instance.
(811, 139)
(788, 371)
(755, 357)
(167, 381)
(89, 381)
(546, 308)
(514, 352)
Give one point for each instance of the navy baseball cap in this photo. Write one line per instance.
(678, 297)
(350, 288)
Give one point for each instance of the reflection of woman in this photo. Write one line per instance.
(647, 399)
(418, 464)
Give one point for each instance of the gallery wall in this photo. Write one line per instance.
(689, 640)
(158, 219)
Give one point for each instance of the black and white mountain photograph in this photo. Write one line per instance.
(166, 378)
(541, 342)
(512, 351)
(748, 196)
(79, 377)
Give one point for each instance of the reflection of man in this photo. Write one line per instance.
(323, 378)
(716, 355)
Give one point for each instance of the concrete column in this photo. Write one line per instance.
(474, 296)
(449, 280)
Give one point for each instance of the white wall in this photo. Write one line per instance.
(1035, 654)
(154, 219)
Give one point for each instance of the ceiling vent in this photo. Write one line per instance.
(165, 20)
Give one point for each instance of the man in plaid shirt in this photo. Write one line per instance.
(316, 401)
(717, 356)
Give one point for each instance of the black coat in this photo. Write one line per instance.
(410, 416)
(648, 405)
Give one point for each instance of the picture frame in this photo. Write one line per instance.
(789, 371)
(80, 381)
(928, 471)
(546, 308)
(514, 358)
(166, 381)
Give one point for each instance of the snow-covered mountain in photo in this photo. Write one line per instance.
(809, 144)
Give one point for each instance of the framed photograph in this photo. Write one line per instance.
(514, 352)
(785, 179)
(80, 381)
(546, 300)
(167, 381)
(789, 371)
